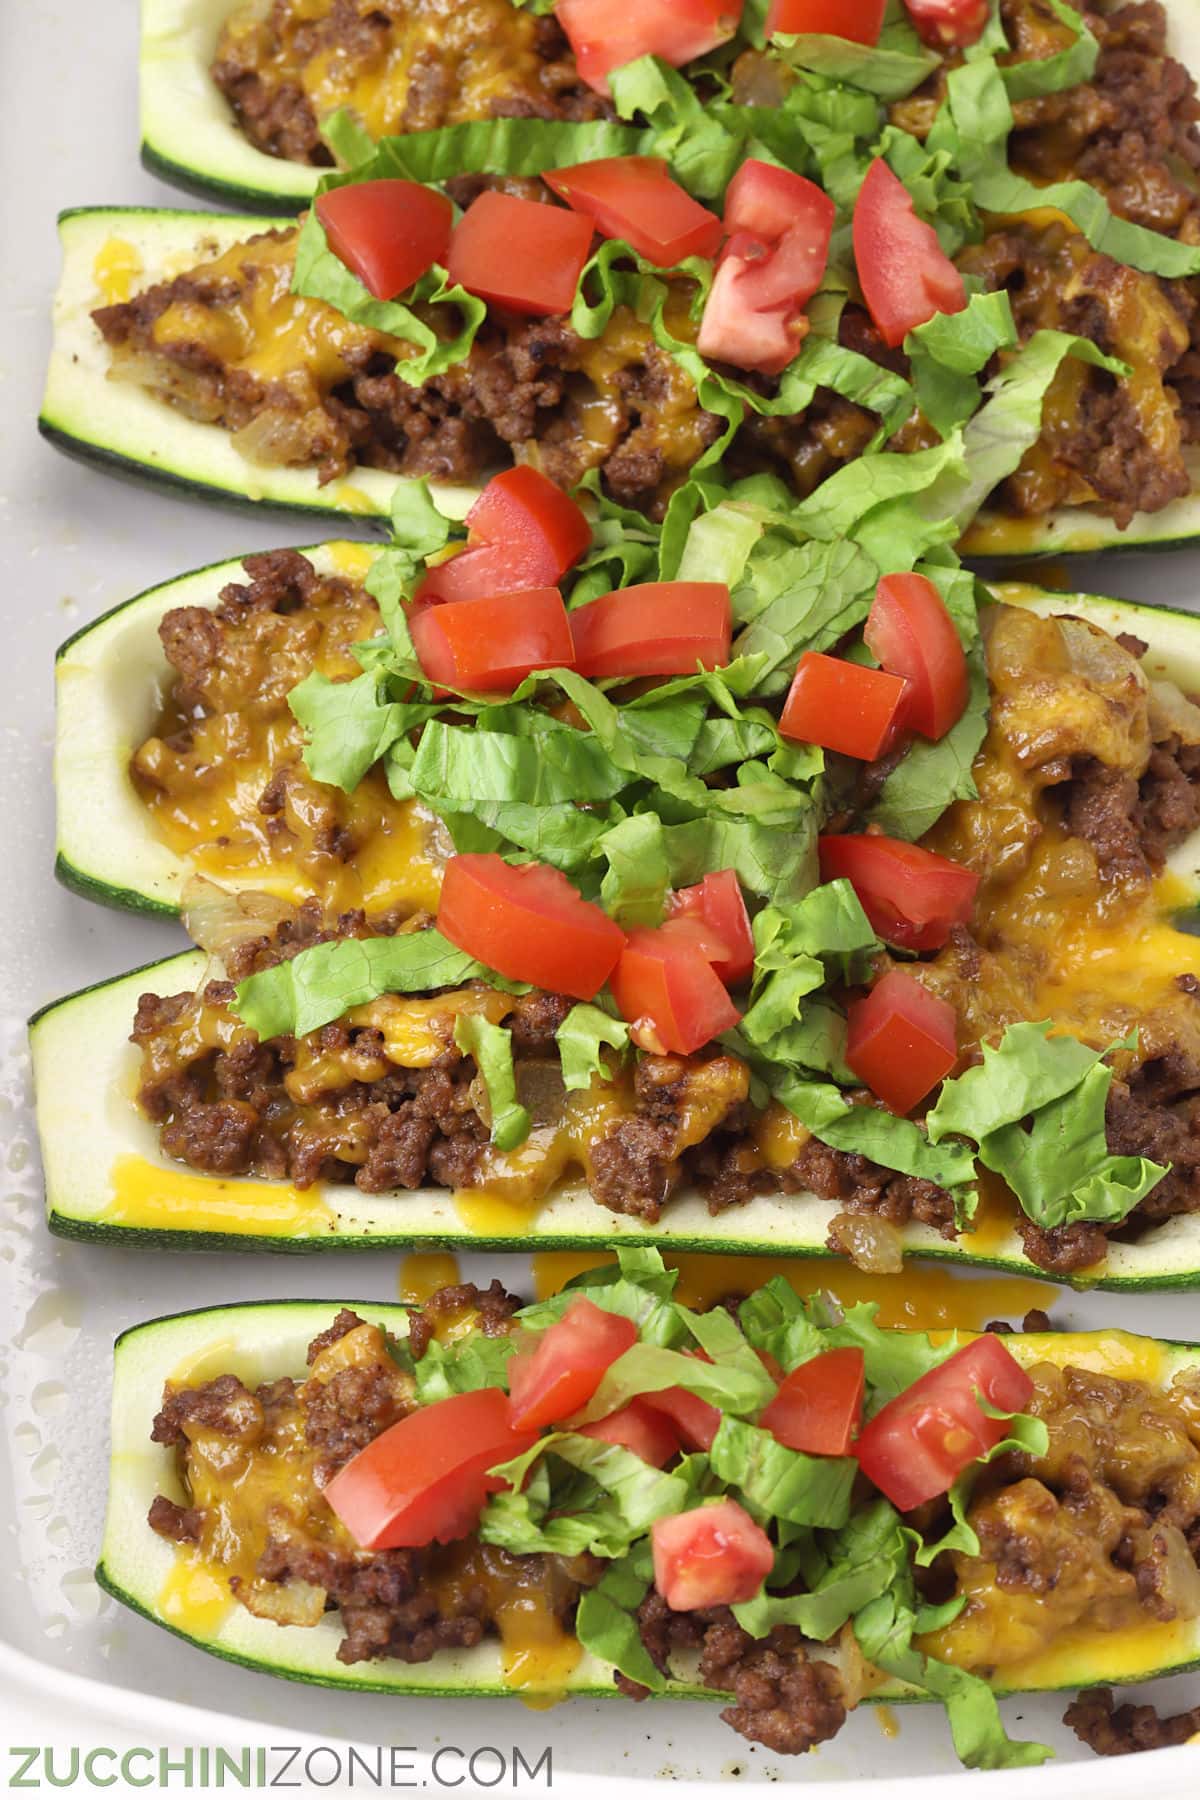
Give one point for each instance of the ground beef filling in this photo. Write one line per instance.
(228, 344)
(1101, 1534)
(399, 65)
(1112, 1730)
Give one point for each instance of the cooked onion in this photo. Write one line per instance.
(289, 1603)
(870, 1243)
(219, 921)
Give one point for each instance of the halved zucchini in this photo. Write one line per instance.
(260, 1342)
(109, 252)
(110, 677)
(107, 1180)
(189, 133)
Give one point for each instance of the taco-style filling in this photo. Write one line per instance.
(819, 323)
(754, 1500)
(407, 65)
(728, 959)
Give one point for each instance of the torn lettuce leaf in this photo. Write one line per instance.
(973, 127)
(491, 1047)
(322, 983)
(1035, 1107)
(777, 1483)
(582, 1037)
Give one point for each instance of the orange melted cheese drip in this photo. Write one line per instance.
(361, 849)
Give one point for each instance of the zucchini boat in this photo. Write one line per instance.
(111, 252)
(111, 676)
(107, 253)
(202, 1368)
(247, 1082)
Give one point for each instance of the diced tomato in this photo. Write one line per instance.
(859, 20)
(546, 1385)
(425, 1479)
(667, 989)
(918, 1445)
(911, 896)
(646, 1431)
(843, 706)
(694, 1419)
(905, 275)
(529, 923)
(780, 227)
(388, 233)
(635, 198)
(718, 902)
(819, 1405)
(901, 1040)
(948, 24)
(654, 628)
(523, 533)
(912, 635)
(607, 34)
(491, 645)
(520, 254)
(713, 1556)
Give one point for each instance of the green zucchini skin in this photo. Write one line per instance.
(261, 1340)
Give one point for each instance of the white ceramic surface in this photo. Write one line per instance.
(72, 543)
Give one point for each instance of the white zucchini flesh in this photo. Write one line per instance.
(112, 675)
(260, 1342)
(111, 679)
(126, 427)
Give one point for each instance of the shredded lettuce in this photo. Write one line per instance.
(580, 1037)
(1035, 1106)
(973, 127)
(863, 1561)
(778, 1483)
(605, 1619)
(491, 1047)
(322, 983)
(890, 69)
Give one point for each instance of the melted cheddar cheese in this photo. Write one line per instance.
(205, 769)
(470, 53)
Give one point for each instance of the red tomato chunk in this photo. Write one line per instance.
(388, 233)
(780, 227)
(695, 1420)
(819, 1405)
(910, 632)
(490, 646)
(548, 1384)
(640, 1428)
(843, 706)
(901, 1040)
(905, 275)
(665, 986)
(859, 20)
(654, 628)
(523, 533)
(635, 198)
(911, 896)
(520, 254)
(528, 923)
(718, 903)
(948, 24)
(425, 1479)
(918, 1445)
(607, 34)
(713, 1556)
